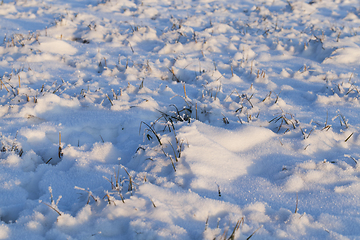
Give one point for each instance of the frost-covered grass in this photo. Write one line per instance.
(126, 119)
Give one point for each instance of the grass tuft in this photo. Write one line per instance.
(117, 185)
(285, 118)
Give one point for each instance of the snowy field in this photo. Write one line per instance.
(180, 119)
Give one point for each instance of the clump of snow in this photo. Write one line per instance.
(4, 231)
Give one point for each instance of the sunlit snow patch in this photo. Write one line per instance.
(50, 45)
(217, 155)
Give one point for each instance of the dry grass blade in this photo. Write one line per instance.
(131, 47)
(248, 99)
(176, 158)
(310, 133)
(236, 228)
(342, 119)
(130, 187)
(275, 119)
(172, 161)
(349, 137)
(207, 223)
(109, 100)
(254, 232)
(48, 161)
(152, 130)
(352, 88)
(141, 84)
(56, 89)
(326, 126)
(234, 91)
(225, 119)
(60, 149)
(185, 92)
(356, 161)
(12, 89)
(173, 74)
(153, 203)
(19, 85)
(196, 112)
(181, 115)
(110, 181)
(219, 192)
(2, 84)
(267, 96)
(117, 177)
(114, 94)
(57, 211)
(277, 97)
(107, 195)
(121, 196)
(302, 131)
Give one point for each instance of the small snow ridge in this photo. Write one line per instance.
(55, 46)
(213, 154)
(238, 140)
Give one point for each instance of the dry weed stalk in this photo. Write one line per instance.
(173, 74)
(60, 153)
(130, 187)
(185, 92)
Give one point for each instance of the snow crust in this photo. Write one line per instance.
(126, 119)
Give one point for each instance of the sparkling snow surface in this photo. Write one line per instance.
(179, 119)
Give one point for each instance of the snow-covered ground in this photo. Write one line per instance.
(180, 119)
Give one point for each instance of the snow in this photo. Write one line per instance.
(179, 119)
